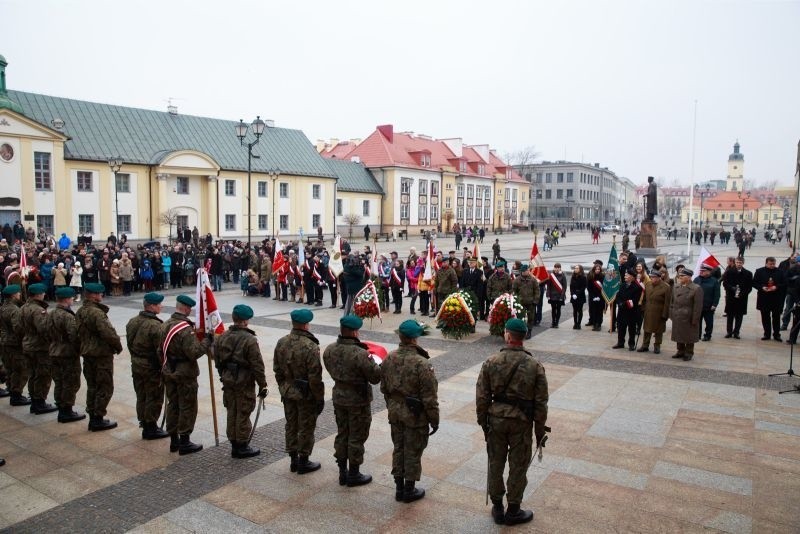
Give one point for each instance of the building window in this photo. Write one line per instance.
(84, 181)
(447, 202)
(460, 213)
(182, 221)
(569, 193)
(123, 182)
(46, 222)
(425, 159)
(423, 211)
(470, 191)
(486, 213)
(423, 187)
(570, 177)
(469, 213)
(365, 208)
(449, 186)
(405, 186)
(315, 194)
(262, 222)
(284, 189)
(514, 195)
(404, 211)
(538, 177)
(548, 194)
(460, 190)
(434, 189)
(41, 171)
(86, 224)
(182, 187)
(339, 206)
(462, 167)
(560, 194)
(560, 177)
(434, 213)
(548, 178)
(230, 188)
(481, 169)
(284, 222)
(230, 222)
(508, 194)
(316, 219)
(262, 189)
(123, 224)
(487, 193)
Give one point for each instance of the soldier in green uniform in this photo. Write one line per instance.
(349, 364)
(99, 343)
(240, 367)
(36, 347)
(498, 283)
(511, 402)
(446, 282)
(409, 386)
(65, 348)
(526, 289)
(11, 344)
(143, 339)
(181, 349)
(298, 372)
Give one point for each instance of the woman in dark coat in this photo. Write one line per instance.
(555, 296)
(577, 289)
(594, 283)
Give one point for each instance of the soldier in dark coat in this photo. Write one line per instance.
(710, 287)
(409, 386)
(99, 343)
(180, 349)
(498, 283)
(526, 289)
(11, 344)
(65, 346)
(685, 311)
(738, 283)
(36, 347)
(298, 371)
(143, 339)
(628, 310)
(349, 364)
(511, 403)
(446, 281)
(241, 368)
(658, 297)
(770, 282)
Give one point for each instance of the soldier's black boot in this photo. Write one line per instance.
(342, 471)
(174, 443)
(515, 516)
(18, 399)
(67, 415)
(187, 447)
(2, 462)
(529, 334)
(399, 482)
(304, 465)
(39, 407)
(498, 512)
(293, 462)
(152, 431)
(98, 424)
(410, 493)
(242, 449)
(356, 478)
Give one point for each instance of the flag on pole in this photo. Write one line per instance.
(612, 278)
(706, 258)
(335, 262)
(537, 264)
(23, 261)
(301, 254)
(476, 253)
(207, 316)
(374, 261)
(279, 260)
(377, 352)
(430, 265)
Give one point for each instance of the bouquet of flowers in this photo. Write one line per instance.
(455, 317)
(365, 304)
(504, 308)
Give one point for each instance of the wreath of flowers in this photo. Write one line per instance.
(455, 317)
(504, 308)
(365, 303)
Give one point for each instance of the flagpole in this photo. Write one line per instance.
(691, 185)
(209, 332)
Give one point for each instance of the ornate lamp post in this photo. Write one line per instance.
(241, 132)
(770, 201)
(274, 174)
(744, 198)
(115, 164)
(703, 196)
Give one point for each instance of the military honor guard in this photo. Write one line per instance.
(298, 371)
(349, 364)
(99, 344)
(65, 353)
(526, 289)
(180, 351)
(658, 296)
(36, 348)
(409, 386)
(241, 369)
(686, 308)
(498, 283)
(11, 344)
(511, 404)
(143, 338)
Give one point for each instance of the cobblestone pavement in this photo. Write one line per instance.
(701, 445)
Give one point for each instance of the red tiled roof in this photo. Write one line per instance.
(340, 151)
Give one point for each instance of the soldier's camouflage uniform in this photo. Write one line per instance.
(297, 357)
(65, 346)
(526, 289)
(349, 364)
(406, 372)
(11, 345)
(99, 343)
(36, 347)
(180, 374)
(511, 431)
(240, 367)
(497, 285)
(143, 338)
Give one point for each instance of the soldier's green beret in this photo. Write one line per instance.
(410, 328)
(500, 263)
(243, 312)
(353, 322)
(186, 300)
(10, 290)
(37, 289)
(153, 298)
(301, 316)
(516, 325)
(65, 292)
(94, 287)
(523, 268)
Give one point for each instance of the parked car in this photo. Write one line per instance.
(611, 228)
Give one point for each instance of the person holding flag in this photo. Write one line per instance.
(540, 273)
(556, 293)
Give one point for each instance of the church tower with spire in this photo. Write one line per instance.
(735, 181)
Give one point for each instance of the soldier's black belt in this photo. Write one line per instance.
(526, 406)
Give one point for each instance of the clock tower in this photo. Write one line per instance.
(735, 181)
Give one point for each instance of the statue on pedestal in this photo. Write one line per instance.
(651, 200)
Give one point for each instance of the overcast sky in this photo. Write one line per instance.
(613, 82)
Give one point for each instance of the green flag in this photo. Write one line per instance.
(612, 278)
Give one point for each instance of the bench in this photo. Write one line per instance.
(382, 235)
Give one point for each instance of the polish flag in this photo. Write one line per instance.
(279, 260)
(476, 253)
(206, 314)
(335, 262)
(377, 352)
(430, 265)
(707, 258)
(537, 264)
(23, 261)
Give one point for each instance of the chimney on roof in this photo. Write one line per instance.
(355, 141)
(482, 150)
(356, 159)
(172, 109)
(269, 123)
(321, 145)
(597, 165)
(455, 145)
(387, 130)
(334, 142)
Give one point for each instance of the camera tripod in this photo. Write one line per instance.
(792, 337)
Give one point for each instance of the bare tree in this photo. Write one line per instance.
(522, 160)
(169, 218)
(352, 219)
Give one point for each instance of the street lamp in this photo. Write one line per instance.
(770, 201)
(274, 174)
(241, 132)
(744, 198)
(703, 196)
(115, 164)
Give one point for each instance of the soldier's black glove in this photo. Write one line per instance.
(320, 406)
(262, 394)
(434, 428)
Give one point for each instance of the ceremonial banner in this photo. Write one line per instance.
(207, 316)
(707, 258)
(612, 278)
(537, 264)
(335, 261)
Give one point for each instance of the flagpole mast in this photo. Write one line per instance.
(691, 186)
(209, 331)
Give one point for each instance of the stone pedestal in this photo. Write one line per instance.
(648, 236)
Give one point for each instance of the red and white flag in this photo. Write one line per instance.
(537, 264)
(706, 258)
(476, 253)
(430, 265)
(376, 352)
(206, 315)
(279, 260)
(23, 261)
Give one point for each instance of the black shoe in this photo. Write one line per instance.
(356, 478)
(342, 472)
(2, 462)
(332, 306)
(515, 516)
(688, 357)
(398, 488)
(643, 349)
(706, 338)
(40, 407)
(305, 466)
(777, 338)
(736, 335)
(67, 415)
(529, 334)
(341, 307)
(4, 393)
(765, 338)
(152, 431)
(576, 326)
(595, 329)
(396, 311)
(656, 350)
(678, 355)
(318, 304)
(412, 312)
(632, 348)
(618, 346)
(588, 324)
(498, 513)
(293, 462)
(187, 447)
(410, 493)
(174, 443)
(728, 335)
(98, 424)
(243, 450)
